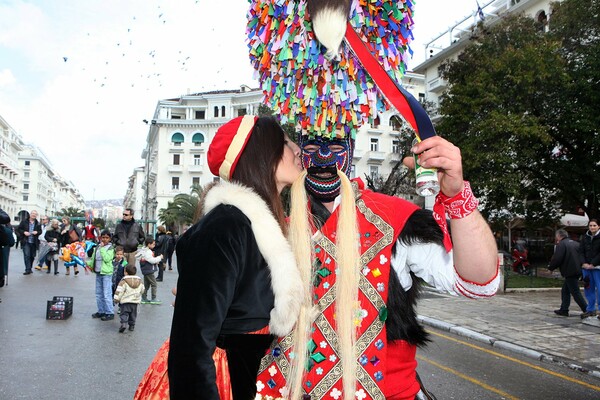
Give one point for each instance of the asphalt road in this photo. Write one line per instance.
(78, 358)
(453, 367)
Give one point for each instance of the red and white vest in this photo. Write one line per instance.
(381, 219)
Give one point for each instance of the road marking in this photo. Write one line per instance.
(468, 378)
(547, 371)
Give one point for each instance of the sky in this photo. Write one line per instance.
(78, 77)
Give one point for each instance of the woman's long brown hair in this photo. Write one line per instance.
(258, 163)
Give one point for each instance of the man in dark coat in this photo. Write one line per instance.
(129, 234)
(6, 240)
(29, 230)
(568, 260)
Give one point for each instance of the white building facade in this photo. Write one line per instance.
(41, 188)
(176, 145)
(28, 181)
(10, 146)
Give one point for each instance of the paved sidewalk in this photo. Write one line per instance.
(521, 321)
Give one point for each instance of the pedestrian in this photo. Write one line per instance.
(41, 262)
(90, 232)
(371, 350)
(161, 248)
(129, 234)
(171, 248)
(6, 241)
(148, 265)
(567, 259)
(52, 238)
(128, 295)
(119, 263)
(29, 230)
(238, 281)
(69, 234)
(101, 263)
(590, 252)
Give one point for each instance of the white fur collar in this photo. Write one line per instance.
(274, 247)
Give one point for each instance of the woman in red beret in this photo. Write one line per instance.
(238, 280)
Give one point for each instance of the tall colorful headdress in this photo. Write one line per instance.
(331, 92)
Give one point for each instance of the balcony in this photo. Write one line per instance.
(393, 158)
(196, 168)
(436, 85)
(175, 168)
(375, 157)
(358, 154)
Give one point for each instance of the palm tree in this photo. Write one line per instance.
(71, 212)
(181, 210)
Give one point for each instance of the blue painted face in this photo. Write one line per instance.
(321, 159)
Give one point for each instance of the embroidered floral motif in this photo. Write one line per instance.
(335, 393)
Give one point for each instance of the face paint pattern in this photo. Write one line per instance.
(322, 159)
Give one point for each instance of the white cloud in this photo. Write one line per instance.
(6, 77)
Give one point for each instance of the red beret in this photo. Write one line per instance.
(228, 144)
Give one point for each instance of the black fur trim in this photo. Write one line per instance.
(402, 321)
(421, 228)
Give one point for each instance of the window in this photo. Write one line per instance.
(176, 159)
(421, 97)
(26, 186)
(241, 112)
(222, 111)
(26, 175)
(216, 179)
(374, 144)
(25, 197)
(395, 122)
(27, 163)
(175, 183)
(373, 171)
(196, 181)
(216, 112)
(200, 114)
(353, 171)
(175, 116)
(376, 123)
(395, 146)
(177, 138)
(198, 139)
(197, 159)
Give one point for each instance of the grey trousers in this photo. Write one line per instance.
(128, 313)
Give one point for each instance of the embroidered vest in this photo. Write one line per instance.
(381, 219)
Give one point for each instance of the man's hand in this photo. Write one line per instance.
(436, 152)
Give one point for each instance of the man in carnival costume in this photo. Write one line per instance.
(357, 334)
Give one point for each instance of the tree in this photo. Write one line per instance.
(507, 108)
(99, 223)
(576, 24)
(182, 209)
(71, 212)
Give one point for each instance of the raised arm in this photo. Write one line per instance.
(474, 247)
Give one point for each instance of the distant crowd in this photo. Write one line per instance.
(115, 258)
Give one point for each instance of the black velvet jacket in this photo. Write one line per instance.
(237, 275)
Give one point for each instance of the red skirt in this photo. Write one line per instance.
(155, 383)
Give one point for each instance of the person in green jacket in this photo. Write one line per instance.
(101, 263)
